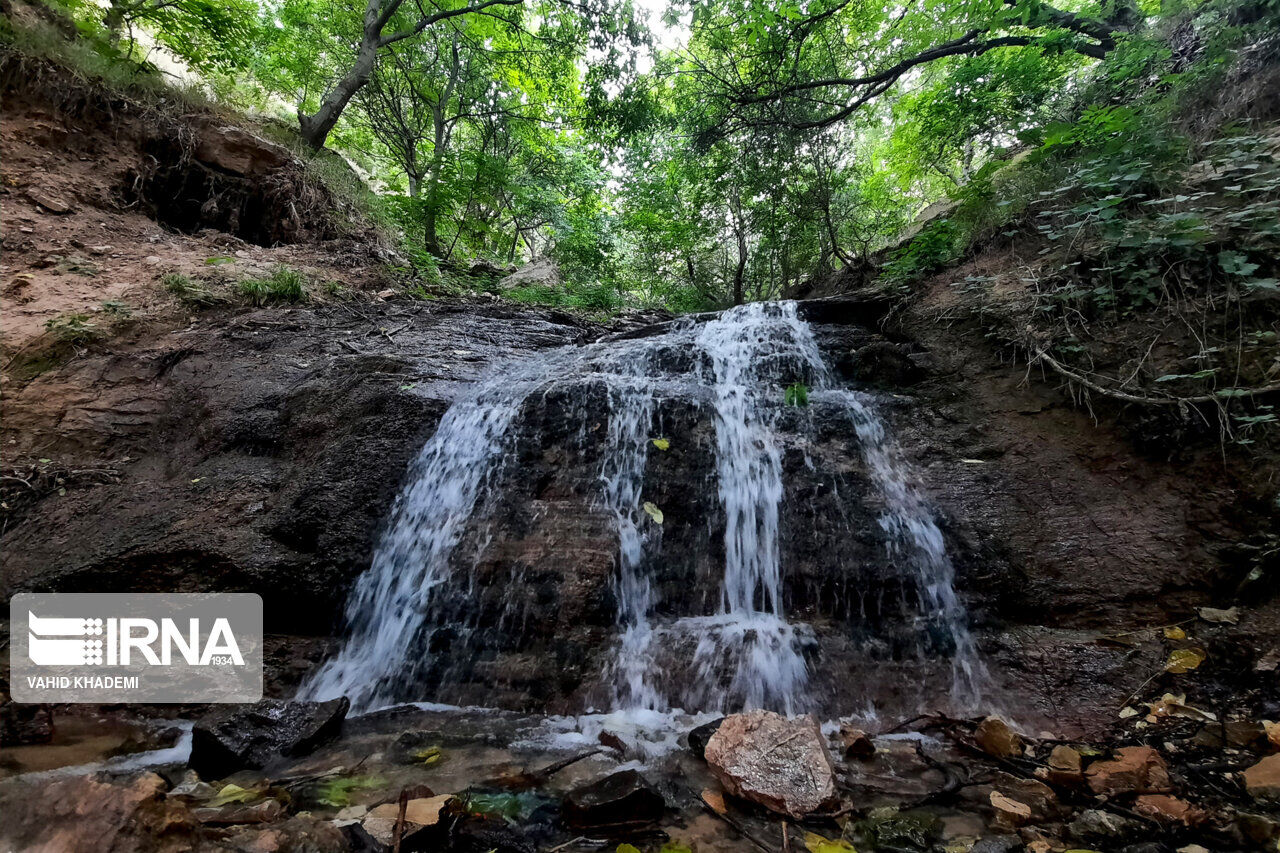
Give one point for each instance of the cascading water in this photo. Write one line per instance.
(739, 652)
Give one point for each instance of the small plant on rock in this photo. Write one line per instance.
(72, 328)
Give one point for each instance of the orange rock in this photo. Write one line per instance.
(1262, 780)
(1065, 767)
(1168, 809)
(1041, 799)
(1009, 812)
(995, 737)
(1135, 769)
(778, 763)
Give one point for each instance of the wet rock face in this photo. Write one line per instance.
(259, 453)
(527, 617)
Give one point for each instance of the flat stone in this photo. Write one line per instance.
(1262, 780)
(1135, 769)
(625, 797)
(1094, 824)
(997, 738)
(266, 811)
(775, 762)
(1167, 809)
(255, 736)
(1245, 734)
(1009, 812)
(1041, 799)
(1065, 767)
(239, 152)
(51, 203)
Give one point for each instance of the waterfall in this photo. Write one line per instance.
(740, 652)
(385, 611)
(622, 478)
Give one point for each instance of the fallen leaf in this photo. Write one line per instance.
(715, 801)
(1229, 616)
(1174, 633)
(429, 755)
(627, 848)
(1171, 705)
(661, 443)
(653, 511)
(231, 794)
(674, 846)
(816, 843)
(1126, 713)
(1184, 660)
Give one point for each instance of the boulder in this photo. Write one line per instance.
(1135, 769)
(541, 272)
(255, 736)
(775, 762)
(997, 738)
(238, 152)
(620, 799)
(1262, 780)
(87, 814)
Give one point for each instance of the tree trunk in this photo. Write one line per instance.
(739, 231)
(317, 126)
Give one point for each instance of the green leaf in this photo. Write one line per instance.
(661, 443)
(232, 793)
(653, 512)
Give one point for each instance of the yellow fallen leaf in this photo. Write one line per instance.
(661, 443)
(653, 511)
(231, 794)
(1174, 633)
(1184, 660)
(715, 801)
(816, 843)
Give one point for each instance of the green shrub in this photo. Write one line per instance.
(283, 285)
(190, 291)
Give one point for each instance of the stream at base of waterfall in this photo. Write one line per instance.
(742, 652)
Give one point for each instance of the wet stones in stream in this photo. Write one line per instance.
(619, 800)
(259, 735)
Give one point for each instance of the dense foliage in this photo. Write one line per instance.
(722, 150)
